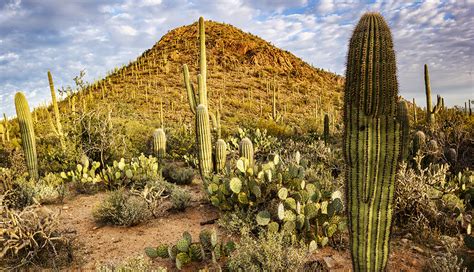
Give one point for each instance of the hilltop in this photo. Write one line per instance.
(242, 70)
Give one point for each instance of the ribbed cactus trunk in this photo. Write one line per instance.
(430, 110)
(404, 119)
(371, 141)
(27, 132)
(221, 155)
(7, 127)
(203, 135)
(246, 150)
(326, 128)
(159, 143)
(58, 129)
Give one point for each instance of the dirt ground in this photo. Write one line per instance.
(108, 244)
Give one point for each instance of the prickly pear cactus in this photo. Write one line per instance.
(371, 141)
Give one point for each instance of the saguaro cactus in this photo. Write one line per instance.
(27, 134)
(326, 128)
(7, 127)
(371, 141)
(159, 143)
(199, 106)
(203, 134)
(58, 129)
(221, 155)
(430, 111)
(246, 150)
(404, 120)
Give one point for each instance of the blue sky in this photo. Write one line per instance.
(98, 35)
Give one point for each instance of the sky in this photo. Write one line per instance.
(66, 36)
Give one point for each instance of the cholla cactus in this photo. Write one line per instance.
(27, 134)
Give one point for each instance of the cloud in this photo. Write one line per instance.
(98, 35)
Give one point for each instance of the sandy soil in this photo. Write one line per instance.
(103, 244)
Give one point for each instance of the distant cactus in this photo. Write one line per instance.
(415, 117)
(27, 134)
(326, 128)
(159, 143)
(430, 111)
(2, 133)
(57, 128)
(371, 141)
(404, 120)
(7, 127)
(418, 141)
(246, 150)
(451, 155)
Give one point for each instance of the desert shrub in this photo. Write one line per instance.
(181, 142)
(52, 158)
(426, 200)
(12, 157)
(444, 262)
(121, 208)
(21, 194)
(267, 252)
(32, 237)
(281, 198)
(175, 173)
(153, 193)
(138, 263)
(180, 198)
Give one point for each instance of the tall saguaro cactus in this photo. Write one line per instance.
(7, 127)
(199, 106)
(58, 129)
(371, 141)
(27, 134)
(430, 111)
(326, 128)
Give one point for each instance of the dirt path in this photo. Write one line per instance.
(104, 244)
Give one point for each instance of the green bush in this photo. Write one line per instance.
(180, 198)
(121, 208)
(268, 252)
(177, 174)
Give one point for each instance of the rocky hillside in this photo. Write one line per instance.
(243, 70)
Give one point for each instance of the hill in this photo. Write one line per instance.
(243, 69)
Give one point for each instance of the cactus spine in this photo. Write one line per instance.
(58, 129)
(326, 128)
(27, 134)
(159, 143)
(246, 150)
(404, 120)
(430, 111)
(371, 141)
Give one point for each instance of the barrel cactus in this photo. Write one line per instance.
(27, 134)
(371, 141)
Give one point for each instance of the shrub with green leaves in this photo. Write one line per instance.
(121, 208)
(180, 198)
(263, 143)
(283, 199)
(267, 252)
(177, 174)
